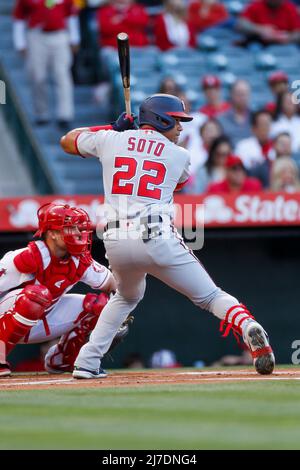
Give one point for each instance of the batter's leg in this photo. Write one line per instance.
(130, 290)
(188, 276)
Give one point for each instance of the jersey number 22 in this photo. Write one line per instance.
(145, 180)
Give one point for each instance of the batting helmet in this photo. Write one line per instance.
(160, 111)
(74, 223)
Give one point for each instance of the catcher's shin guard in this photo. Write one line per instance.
(61, 357)
(29, 308)
(239, 319)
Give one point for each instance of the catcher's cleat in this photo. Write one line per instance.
(81, 373)
(52, 370)
(5, 370)
(257, 340)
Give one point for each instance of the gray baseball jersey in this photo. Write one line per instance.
(141, 169)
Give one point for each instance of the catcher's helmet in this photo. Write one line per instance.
(73, 222)
(160, 111)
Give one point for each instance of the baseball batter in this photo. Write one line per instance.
(141, 170)
(37, 278)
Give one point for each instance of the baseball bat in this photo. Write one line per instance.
(124, 60)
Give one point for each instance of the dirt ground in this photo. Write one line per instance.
(140, 378)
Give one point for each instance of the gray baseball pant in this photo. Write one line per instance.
(168, 260)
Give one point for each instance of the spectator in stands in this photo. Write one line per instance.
(282, 148)
(282, 145)
(206, 13)
(214, 106)
(52, 35)
(113, 17)
(285, 176)
(287, 119)
(259, 147)
(122, 16)
(279, 83)
(270, 21)
(168, 85)
(171, 28)
(214, 169)
(236, 122)
(236, 179)
(198, 143)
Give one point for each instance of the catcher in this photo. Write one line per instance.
(36, 307)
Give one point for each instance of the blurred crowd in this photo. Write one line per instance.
(232, 148)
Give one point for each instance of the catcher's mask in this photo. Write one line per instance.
(161, 110)
(74, 224)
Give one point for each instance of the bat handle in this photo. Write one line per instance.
(127, 101)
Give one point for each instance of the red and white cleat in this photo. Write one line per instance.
(5, 370)
(257, 340)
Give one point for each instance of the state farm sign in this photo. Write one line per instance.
(243, 210)
(252, 210)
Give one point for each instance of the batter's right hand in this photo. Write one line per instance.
(124, 123)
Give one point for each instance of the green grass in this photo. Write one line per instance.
(240, 415)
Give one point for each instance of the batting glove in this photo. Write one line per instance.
(124, 122)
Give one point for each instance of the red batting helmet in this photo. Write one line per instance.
(73, 222)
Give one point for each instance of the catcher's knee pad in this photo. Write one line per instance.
(93, 303)
(28, 309)
(32, 302)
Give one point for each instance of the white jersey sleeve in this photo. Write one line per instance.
(10, 277)
(92, 144)
(96, 275)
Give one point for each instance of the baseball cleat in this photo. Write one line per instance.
(81, 373)
(4, 370)
(51, 370)
(257, 340)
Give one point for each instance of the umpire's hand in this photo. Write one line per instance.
(124, 123)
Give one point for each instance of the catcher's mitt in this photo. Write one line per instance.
(121, 333)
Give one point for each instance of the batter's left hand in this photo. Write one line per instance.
(124, 122)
